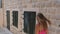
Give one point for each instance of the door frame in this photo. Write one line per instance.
(29, 9)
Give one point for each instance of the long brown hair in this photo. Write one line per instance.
(45, 20)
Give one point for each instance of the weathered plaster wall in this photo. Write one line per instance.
(50, 8)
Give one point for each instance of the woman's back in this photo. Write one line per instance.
(39, 30)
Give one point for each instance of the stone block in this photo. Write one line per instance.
(57, 16)
(58, 31)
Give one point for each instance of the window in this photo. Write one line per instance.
(15, 18)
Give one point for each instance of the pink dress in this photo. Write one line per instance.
(42, 32)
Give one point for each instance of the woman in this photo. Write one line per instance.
(41, 27)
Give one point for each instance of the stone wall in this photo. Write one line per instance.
(50, 8)
(1, 16)
(13, 5)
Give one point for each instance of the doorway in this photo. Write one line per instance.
(29, 22)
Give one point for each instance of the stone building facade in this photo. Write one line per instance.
(50, 8)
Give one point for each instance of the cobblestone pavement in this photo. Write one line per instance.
(4, 31)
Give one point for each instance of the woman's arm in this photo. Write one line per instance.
(46, 31)
(36, 29)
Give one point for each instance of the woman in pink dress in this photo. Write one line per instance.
(41, 26)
